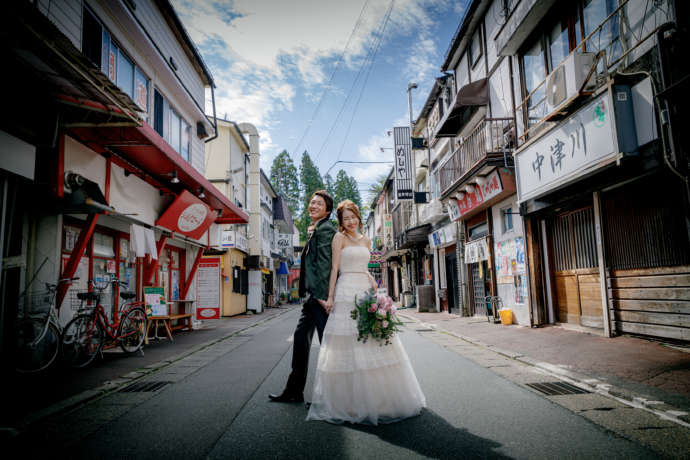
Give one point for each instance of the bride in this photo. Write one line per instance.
(358, 382)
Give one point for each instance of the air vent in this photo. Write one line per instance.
(144, 387)
(557, 388)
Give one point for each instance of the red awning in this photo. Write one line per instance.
(140, 149)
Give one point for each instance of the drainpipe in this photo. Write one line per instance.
(215, 120)
(254, 208)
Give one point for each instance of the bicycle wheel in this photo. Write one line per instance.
(34, 353)
(82, 340)
(131, 330)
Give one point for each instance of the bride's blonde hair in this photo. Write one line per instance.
(350, 206)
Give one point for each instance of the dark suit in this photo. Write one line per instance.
(315, 271)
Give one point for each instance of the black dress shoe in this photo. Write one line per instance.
(287, 397)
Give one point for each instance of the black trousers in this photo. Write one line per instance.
(313, 317)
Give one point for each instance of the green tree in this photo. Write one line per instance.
(285, 181)
(328, 183)
(345, 188)
(376, 187)
(310, 181)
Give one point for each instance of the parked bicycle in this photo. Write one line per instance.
(84, 336)
(38, 331)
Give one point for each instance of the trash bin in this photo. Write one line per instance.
(506, 316)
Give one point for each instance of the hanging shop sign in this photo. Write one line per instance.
(583, 143)
(188, 215)
(403, 163)
(283, 240)
(453, 210)
(481, 192)
(388, 230)
(443, 236)
(476, 251)
(208, 289)
(227, 239)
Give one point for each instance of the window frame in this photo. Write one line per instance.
(165, 118)
(476, 38)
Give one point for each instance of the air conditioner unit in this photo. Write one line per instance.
(565, 84)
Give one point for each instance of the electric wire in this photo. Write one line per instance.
(366, 78)
(360, 72)
(330, 80)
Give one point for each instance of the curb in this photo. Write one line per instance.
(659, 408)
(111, 386)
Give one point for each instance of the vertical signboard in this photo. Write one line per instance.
(208, 289)
(404, 180)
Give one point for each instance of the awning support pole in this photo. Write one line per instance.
(192, 273)
(151, 267)
(77, 253)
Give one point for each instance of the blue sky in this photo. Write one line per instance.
(272, 62)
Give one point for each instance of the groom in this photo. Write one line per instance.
(314, 275)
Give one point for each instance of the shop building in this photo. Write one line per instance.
(227, 167)
(107, 180)
(476, 179)
(601, 164)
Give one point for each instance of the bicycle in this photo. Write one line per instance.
(85, 334)
(38, 335)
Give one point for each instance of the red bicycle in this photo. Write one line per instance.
(85, 334)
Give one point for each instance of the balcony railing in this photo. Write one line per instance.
(493, 138)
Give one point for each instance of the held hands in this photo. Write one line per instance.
(327, 304)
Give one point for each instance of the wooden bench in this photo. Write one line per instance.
(157, 320)
(184, 321)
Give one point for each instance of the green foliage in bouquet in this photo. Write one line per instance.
(376, 317)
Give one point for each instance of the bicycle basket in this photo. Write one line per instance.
(36, 303)
(83, 300)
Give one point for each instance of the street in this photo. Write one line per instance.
(213, 404)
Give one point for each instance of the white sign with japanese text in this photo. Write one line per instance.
(404, 182)
(579, 145)
(453, 209)
(283, 240)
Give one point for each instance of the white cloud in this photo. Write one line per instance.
(260, 52)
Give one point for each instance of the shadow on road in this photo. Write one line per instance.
(432, 436)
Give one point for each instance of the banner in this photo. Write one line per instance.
(404, 179)
(283, 240)
(476, 251)
(388, 231)
(208, 288)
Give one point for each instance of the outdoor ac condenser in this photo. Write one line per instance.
(564, 84)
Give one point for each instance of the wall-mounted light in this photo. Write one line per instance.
(202, 195)
(480, 180)
(469, 188)
(174, 179)
(460, 195)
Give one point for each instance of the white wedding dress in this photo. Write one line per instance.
(360, 382)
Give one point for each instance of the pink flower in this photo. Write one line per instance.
(389, 301)
(394, 309)
(381, 312)
(381, 299)
(372, 308)
(385, 324)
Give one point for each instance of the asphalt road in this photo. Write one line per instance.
(215, 406)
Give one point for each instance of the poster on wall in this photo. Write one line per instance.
(154, 300)
(208, 289)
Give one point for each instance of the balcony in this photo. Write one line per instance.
(491, 142)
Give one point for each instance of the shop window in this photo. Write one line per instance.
(100, 48)
(170, 125)
(236, 279)
(478, 231)
(507, 219)
(534, 72)
(476, 47)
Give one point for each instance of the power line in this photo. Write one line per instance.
(328, 85)
(366, 78)
(362, 68)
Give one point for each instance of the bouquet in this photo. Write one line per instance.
(375, 316)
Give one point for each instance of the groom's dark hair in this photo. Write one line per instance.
(326, 197)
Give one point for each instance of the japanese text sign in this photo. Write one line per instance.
(488, 189)
(579, 145)
(404, 181)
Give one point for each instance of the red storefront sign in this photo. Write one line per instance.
(481, 194)
(188, 215)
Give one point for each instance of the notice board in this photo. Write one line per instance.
(208, 289)
(154, 299)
